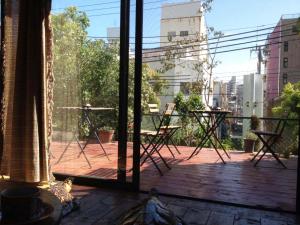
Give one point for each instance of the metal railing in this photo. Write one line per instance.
(233, 131)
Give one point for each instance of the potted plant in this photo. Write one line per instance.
(106, 134)
(254, 122)
(251, 141)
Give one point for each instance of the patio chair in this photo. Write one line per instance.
(156, 118)
(269, 139)
(156, 139)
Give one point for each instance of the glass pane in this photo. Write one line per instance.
(86, 93)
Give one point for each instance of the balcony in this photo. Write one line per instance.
(268, 185)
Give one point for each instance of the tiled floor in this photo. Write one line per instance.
(204, 176)
(105, 207)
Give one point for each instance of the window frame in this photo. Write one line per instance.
(285, 62)
(184, 33)
(285, 46)
(284, 78)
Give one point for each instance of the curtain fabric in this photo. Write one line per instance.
(27, 82)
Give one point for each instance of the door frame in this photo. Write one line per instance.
(120, 182)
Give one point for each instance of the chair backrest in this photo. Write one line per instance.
(281, 124)
(154, 111)
(153, 108)
(166, 117)
(170, 107)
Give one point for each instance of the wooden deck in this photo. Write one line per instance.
(204, 176)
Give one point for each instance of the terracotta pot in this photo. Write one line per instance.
(249, 145)
(106, 136)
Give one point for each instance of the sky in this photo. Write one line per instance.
(228, 16)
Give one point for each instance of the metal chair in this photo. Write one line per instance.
(156, 139)
(269, 139)
(156, 118)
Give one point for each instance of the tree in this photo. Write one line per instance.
(188, 132)
(87, 70)
(289, 100)
(69, 35)
(204, 84)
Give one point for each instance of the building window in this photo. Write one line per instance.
(286, 46)
(184, 33)
(171, 35)
(285, 62)
(284, 78)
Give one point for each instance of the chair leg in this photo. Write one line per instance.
(277, 158)
(257, 153)
(177, 150)
(255, 164)
(264, 145)
(152, 160)
(268, 144)
(164, 161)
(151, 151)
(155, 150)
(169, 138)
(170, 150)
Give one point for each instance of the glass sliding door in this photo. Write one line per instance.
(93, 93)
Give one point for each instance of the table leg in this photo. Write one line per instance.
(82, 151)
(93, 132)
(203, 139)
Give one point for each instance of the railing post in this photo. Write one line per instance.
(298, 175)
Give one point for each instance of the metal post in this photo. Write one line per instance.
(2, 75)
(137, 92)
(123, 89)
(298, 174)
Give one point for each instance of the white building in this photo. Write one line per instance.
(239, 99)
(231, 87)
(253, 98)
(113, 37)
(220, 95)
(113, 34)
(182, 27)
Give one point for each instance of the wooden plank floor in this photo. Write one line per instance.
(204, 176)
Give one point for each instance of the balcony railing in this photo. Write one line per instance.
(233, 131)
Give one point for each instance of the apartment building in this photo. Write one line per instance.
(282, 58)
(182, 29)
